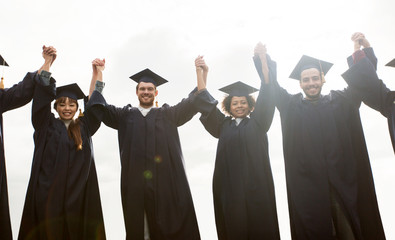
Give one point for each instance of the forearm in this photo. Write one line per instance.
(200, 80)
(46, 66)
(97, 77)
(265, 68)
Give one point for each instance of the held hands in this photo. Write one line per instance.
(359, 41)
(200, 64)
(260, 50)
(201, 72)
(49, 54)
(98, 65)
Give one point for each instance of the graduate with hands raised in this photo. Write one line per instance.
(62, 200)
(11, 98)
(243, 189)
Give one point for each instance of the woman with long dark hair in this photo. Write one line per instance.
(62, 200)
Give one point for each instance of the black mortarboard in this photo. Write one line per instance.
(391, 63)
(148, 76)
(307, 62)
(72, 91)
(238, 89)
(3, 62)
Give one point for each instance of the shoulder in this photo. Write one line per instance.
(296, 97)
(334, 94)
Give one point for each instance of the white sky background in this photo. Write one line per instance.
(166, 36)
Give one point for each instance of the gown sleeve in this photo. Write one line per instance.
(363, 78)
(211, 117)
(264, 107)
(369, 54)
(108, 114)
(19, 94)
(183, 111)
(41, 107)
(92, 118)
(280, 97)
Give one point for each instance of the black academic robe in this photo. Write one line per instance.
(390, 106)
(325, 153)
(153, 177)
(62, 200)
(243, 188)
(11, 98)
(373, 87)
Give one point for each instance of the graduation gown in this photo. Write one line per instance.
(62, 200)
(11, 98)
(243, 189)
(325, 154)
(153, 177)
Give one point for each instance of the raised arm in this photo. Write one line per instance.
(211, 117)
(97, 74)
(362, 78)
(261, 52)
(264, 108)
(97, 106)
(45, 90)
(94, 111)
(22, 93)
(262, 63)
(362, 48)
(201, 72)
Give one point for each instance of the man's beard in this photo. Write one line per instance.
(146, 104)
(313, 97)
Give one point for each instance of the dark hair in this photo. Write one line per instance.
(228, 99)
(74, 130)
(138, 84)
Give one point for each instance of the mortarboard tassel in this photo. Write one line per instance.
(156, 102)
(2, 83)
(323, 77)
(81, 114)
(2, 78)
(322, 73)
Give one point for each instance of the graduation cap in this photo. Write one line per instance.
(72, 91)
(148, 76)
(391, 63)
(307, 62)
(238, 89)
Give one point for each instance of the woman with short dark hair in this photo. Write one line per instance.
(243, 189)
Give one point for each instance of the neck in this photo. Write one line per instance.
(313, 98)
(67, 122)
(146, 106)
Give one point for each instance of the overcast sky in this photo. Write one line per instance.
(166, 36)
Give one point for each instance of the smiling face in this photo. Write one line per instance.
(66, 108)
(239, 107)
(146, 93)
(311, 83)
